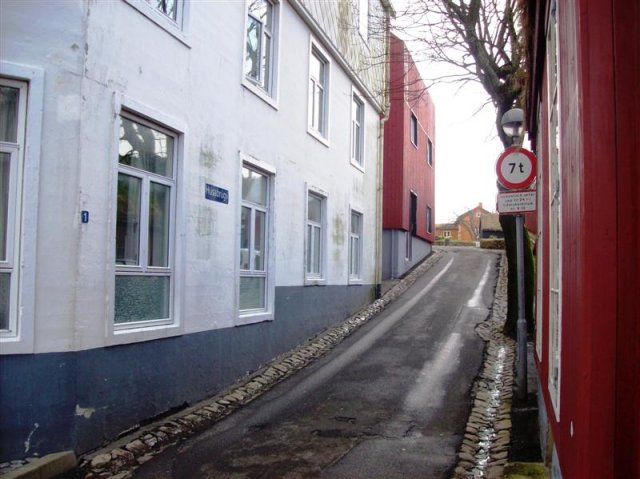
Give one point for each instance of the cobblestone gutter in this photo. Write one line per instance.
(121, 458)
(485, 446)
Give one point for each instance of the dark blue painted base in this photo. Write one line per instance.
(80, 400)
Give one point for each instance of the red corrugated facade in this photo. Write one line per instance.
(406, 168)
(595, 421)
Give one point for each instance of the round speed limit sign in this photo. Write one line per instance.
(516, 168)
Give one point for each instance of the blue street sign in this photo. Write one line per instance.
(215, 193)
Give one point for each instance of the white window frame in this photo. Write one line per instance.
(143, 269)
(251, 316)
(413, 120)
(16, 167)
(313, 278)
(116, 334)
(429, 152)
(447, 234)
(355, 277)
(319, 132)
(268, 94)
(176, 28)
(555, 217)
(357, 131)
(19, 338)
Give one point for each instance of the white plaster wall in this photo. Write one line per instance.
(100, 55)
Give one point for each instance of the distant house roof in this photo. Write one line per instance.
(491, 222)
(447, 226)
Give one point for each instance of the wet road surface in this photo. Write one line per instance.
(390, 401)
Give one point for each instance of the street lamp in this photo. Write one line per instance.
(513, 126)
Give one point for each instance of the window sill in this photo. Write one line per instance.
(318, 136)
(162, 20)
(252, 318)
(315, 282)
(357, 165)
(260, 93)
(355, 282)
(142, 333)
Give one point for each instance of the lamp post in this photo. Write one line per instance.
(513, 126)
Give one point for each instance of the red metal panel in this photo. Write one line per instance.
(626, 19)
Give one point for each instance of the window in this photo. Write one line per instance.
(429, 220)
(414, 130)
(447, 234)
(413, 211)
(13, 104)
(260, 44)
(145, 217)
(429, 152)
(170, 15)
(363, 18)
(355, 246)
(254, 225)
(555, 218)
(314, 248)
(318, 92)
(357, 130)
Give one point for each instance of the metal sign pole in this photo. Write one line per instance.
(521, 358)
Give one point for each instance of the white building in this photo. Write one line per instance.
(189, 189)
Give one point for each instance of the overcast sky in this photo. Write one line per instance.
(467, 145)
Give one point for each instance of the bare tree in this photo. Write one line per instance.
(481, 39)
(477, 37)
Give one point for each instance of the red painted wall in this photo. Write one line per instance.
(598, 431)
(405, 166)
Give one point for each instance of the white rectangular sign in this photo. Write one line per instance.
(517, 201)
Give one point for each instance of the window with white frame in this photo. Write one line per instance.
(429, 152)
(254, 227)
(555, 217)
(314, 237)
(261, 44)
(414, 129)
(447, 234)
(355, 246)
(145, 223)
(357, 130)
(429, 220)
(13, 104)
(318, 91)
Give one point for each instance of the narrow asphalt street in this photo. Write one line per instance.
(390, 401)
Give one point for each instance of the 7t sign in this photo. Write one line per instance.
(516, 168)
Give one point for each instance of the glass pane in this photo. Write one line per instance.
(355, 257)
(5, 174)
(168, 7)
(355, 224)
(145, 148)
(316, 251)
(261, 10)
(254, 187)
(314, 209)
(318, 121)
(259, 232)
(159, 208)
(316, 68)
(245, 237)
(5, 301)
(9, 100)
(266, 59)
(141, 298)
(309, 252)
(251, 61)
(252, 293)
(128, 220)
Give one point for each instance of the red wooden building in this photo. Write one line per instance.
(408, 216)
(583, 120)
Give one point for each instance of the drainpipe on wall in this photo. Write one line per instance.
(384, 116)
